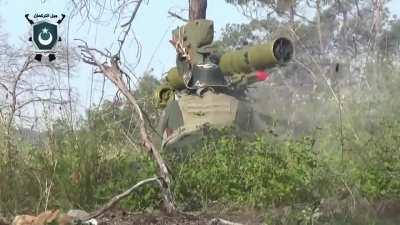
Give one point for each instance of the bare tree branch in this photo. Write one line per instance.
(118, 198)
(13, 93)
(129, 26)
(177, 16)
(5, 88)
(111, 70)
(38, 99)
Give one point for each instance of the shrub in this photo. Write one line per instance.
(258, 171)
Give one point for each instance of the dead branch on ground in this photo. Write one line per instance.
(118, 198)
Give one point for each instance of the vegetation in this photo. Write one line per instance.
(331, 153)
(262, 172)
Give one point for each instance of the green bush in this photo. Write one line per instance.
(76, 170)
(260, 171)
(379, 163)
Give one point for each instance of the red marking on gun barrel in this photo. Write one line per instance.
(262, 75)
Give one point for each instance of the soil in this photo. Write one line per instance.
(385, 212)
(120, 217)
(151, 219)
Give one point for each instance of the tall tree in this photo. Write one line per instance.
(197, 9)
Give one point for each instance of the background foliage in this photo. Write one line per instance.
(331, 151)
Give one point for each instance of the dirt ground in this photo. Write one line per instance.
(383, 212)
(152, 220)
(125, 218)
(120, 217)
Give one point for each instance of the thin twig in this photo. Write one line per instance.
(350, 192)
(177, 16)
(118, 198)
(129, 24)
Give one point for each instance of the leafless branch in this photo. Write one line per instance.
(129, 26)
(118, 198)
(177, 16)
(112, 71)
(13, 92)
(38, 99)
(5, 88)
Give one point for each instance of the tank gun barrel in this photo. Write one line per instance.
(257, 57)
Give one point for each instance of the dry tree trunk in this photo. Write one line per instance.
(112, 71)
(197, 9)
(376, 29)
(321, 45)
